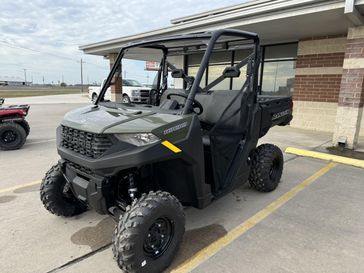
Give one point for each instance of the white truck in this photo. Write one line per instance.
(133, 91)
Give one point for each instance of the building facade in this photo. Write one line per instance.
(312, 50)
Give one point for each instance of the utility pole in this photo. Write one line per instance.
(25, 76)
(81, 77)
(43, 80)
(62, 78)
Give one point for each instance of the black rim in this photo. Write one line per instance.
(158, 238)
(9, 136)
(274, 169)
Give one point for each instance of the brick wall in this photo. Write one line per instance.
(352, 88)
(321, 60)
(319, 69)
(351, 96)
(323, 88)
(317, 84)
(352, 84)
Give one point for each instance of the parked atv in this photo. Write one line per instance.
(190, 146)
(14, 129)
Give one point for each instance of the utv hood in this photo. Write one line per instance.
(102, 119)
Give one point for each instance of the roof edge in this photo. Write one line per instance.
(242, 11)
(217, 11)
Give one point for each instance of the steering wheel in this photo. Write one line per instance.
(195, 103)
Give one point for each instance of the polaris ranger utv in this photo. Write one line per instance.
(186, 147)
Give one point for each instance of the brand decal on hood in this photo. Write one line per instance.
(175, 128)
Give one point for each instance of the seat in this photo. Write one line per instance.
(214, 104)
(176, 91)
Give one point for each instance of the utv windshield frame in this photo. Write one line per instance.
(212, 37)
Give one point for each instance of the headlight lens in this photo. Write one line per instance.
(135, 93)
(138, 139)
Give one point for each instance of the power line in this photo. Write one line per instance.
(45, 52)
(39, 71)
(34, 50)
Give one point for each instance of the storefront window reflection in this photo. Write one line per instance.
(276, 76)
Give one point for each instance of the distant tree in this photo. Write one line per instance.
(63, 84)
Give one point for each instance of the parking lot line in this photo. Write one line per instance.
(231, 236)
(42, 141)
(20, 186)
(324, 156)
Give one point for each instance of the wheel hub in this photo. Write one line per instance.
(158, 237)
(9, 136)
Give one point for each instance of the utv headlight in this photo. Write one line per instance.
(135, 93)
(138, 139)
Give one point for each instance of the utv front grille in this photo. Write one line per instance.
(79, 167)
(84, 143)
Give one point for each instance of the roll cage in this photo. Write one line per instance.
(212, 37)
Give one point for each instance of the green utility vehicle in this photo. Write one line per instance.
(141, 163)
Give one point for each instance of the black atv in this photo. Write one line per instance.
(187, 147)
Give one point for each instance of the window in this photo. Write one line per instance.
(194, 61)
(276, 75)
(278, 69)
(238, 57)
(215, 71)
(278, 78)
(218, 62)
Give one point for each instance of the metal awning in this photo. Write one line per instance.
(276, 21)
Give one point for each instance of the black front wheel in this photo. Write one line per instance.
(125, 99)
(267, 167)
(12, 136)
(148, 234)
(57, 196)
(94, 97)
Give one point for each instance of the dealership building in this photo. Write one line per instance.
(312, 50)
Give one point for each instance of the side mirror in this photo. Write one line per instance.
(177, 73)
(2, 101)
(231, 72)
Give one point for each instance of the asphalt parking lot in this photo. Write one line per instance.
(313, 222)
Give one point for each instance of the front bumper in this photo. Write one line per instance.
(91, 180)
(140, 99)
(88, 187)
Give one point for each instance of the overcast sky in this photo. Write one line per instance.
(54, 29)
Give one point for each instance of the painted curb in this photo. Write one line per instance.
(324, 156)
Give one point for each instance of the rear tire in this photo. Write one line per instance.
(148, 234)
(12, 136)
(267, 167)
(25, 125)
(54, 196)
